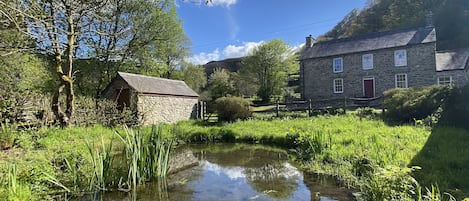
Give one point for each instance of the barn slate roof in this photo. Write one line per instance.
(452, 60)
(369, 42)
(156, 85)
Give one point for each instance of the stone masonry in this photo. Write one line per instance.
(317, 73)
(153, 109)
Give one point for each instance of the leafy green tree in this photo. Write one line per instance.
(123, 46)
(220, 85)
(193, 75)
(268, 67)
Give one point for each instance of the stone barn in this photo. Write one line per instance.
(153, 99)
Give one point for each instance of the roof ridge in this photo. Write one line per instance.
(374, 34)
(148, 76)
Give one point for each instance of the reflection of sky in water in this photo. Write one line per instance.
(230, 183)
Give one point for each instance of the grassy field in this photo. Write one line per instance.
(362, 153)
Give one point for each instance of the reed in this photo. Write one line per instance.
(147, 156)
(102, 160)
(16, 190)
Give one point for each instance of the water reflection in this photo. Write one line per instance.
(232, 172)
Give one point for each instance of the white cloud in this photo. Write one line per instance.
(230, 51)
(226, 3)
(204, 58)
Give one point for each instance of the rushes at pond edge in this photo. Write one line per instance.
(147, 158)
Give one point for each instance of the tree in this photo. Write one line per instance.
(121, 45)
(268, 67)
(55, 26)
(220, 85)
(193, 75)
(133, 35)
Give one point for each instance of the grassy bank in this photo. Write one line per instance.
(365, 154)
(56, 164)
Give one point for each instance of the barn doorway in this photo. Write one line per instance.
(123, 98)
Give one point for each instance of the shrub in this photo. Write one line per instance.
(232, 108)
(7, 136)
(413, 103)
(456, 109)
(90, 111)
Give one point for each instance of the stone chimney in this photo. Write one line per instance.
(429, 20)
(309, 41)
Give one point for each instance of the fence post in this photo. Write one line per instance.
(310, 108)
(277, 109)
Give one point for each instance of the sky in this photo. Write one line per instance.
(231, 28)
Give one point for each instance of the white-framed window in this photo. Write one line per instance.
(338, 86)
(367, 61)
(401, 81)
(337, 65)
(445, 80)
(400, 58)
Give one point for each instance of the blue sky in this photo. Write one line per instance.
(231, 28)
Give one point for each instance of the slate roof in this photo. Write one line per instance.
(452, 60)
(368, 42)
(155, 85)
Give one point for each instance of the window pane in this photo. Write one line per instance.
(338, 86)
(401, 81)
(400, 58)
(367, 61)
(337, 65)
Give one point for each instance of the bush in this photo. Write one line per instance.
(90, 111)
(232, 108)
(456, 109)
(413, 103)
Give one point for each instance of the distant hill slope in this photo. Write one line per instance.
(451, 19)
(231, 65)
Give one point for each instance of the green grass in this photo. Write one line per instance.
(365, 154)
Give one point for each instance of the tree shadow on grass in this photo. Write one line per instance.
(444, 160)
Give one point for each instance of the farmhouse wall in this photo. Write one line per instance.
(459, 77)
(170, 109)
(317, 73)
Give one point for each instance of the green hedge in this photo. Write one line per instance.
(407, 105)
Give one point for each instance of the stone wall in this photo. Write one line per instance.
(169, 109)
(317, 75)
(459, 77)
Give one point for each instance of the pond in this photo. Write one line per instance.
(232, 172)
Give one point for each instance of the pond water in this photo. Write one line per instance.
(232, 172)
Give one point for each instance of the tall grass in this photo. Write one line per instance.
(102, 166)
(147, 157)
(17, 191)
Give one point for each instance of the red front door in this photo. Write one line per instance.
(369, 88)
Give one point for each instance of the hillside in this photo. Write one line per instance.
(450, 17)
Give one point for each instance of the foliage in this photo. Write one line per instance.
(147, 156)
(380, 15)
(232, 108)
(7, 135)
(391, 183)
(220, 85)
(194, 76)
(413, 103)
(92, 111)
(24, 72)
(107, 32)
(456, 109)
(267, 67)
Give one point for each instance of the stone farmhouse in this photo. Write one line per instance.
(365, 66)
(153, 99)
